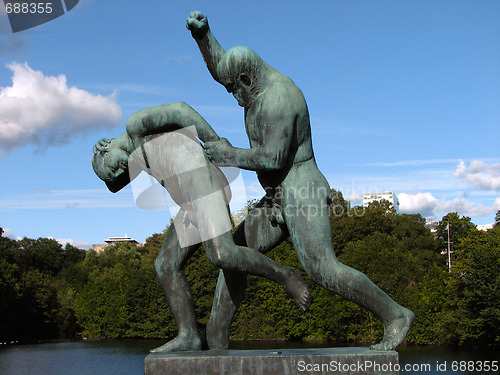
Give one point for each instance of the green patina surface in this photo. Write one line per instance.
(296, 203)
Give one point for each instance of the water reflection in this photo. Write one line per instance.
(75, 357)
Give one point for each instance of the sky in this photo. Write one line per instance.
(403, 96)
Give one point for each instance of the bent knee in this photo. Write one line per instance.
(158, 264)
(216, 257)
(219, 254)
(167, 264)
(162, 264)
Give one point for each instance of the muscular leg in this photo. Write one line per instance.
(227, 298)
(169, 266)
(223, 253)
(309, 226)
(255, 232)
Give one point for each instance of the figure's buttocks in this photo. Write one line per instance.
(177, 161)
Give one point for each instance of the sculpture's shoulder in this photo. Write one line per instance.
(282, 91)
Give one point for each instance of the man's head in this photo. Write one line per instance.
(111, 166)
(239, 71)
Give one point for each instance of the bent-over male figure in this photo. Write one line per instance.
(177, 161)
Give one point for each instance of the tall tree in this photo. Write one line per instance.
(472, 307)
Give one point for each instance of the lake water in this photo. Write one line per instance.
(126, 357)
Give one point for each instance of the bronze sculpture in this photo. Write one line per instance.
(281, 153)
(278, 128)
(156, 141)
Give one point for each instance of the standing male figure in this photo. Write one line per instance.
(297, 197)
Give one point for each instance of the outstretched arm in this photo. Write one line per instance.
(209, 46)
(165, 118)
(269, 153)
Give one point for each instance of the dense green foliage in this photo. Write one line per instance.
(38, 288)
(50, 291)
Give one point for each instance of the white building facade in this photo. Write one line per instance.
(377, 197)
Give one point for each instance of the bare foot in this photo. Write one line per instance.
(296, 286)
(395, 331)
(179, 344)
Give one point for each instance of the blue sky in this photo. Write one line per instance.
(403, 96)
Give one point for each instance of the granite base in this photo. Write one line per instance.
(345, 361)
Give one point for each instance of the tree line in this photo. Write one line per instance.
(47, 291)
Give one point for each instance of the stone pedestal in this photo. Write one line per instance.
(343, 361)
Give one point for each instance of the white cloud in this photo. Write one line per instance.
(429, 206)
(7, 232)
(468, 208)
(44, 110)
(423, 203)
(480, 174)
(78, 244)
(485, 227)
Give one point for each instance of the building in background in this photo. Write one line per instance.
(113, 241)
(432, 225)
(377, 197)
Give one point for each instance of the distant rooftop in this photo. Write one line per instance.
(125, 238)
(113, 241)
